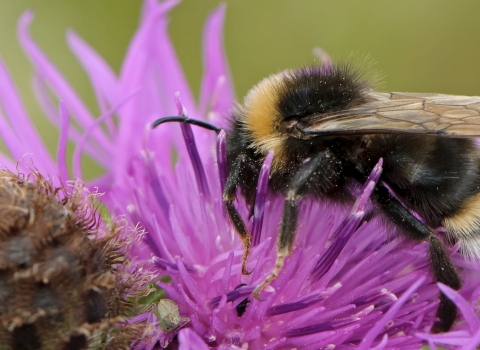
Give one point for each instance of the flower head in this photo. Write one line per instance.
(65, 280)
(347, 284)
(343, 285)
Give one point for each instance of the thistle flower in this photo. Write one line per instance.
(466, 335)
(344, 286)
(65, 282)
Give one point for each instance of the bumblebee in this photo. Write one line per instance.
(328, 129)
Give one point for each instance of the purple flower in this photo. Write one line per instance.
(347, 284)
(466, 335)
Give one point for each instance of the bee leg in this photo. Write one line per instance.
(441, 266)
(229, 195)
(285, 239)
(288, 226)
(444, 272)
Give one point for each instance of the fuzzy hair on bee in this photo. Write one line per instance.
(328, 129)
(271, 108)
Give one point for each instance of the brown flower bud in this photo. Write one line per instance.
(65, 281)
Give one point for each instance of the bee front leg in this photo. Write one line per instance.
(441, 266)
(229, 195)
(288, 226)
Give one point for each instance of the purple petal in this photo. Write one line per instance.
(450, 338)
(189, 340)
(348, 226)
(6, 163)
(227, 272)
(192, 150)
(467, 311)
(50, 109)
(102, 77)
(233, 295)
(165, 265)
(222, 158)
(260, 198)
(217, 93)
(62, 143)
(90, 130)
(152, 65)
(372, 334)
(473, 342)
(56, 81)
(156, 185)
(10, 139)
(295, 305)
(21, 124)
(382, 344)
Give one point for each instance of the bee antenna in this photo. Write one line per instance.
(186, 120)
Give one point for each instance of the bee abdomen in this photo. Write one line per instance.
(464, 227)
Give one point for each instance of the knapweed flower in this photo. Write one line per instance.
(347, 284)
(65, 280)
(466, 335)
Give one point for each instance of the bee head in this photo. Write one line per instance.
(279, 106)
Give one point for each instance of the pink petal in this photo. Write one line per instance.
(151, 64)
(473, 342)
(217, 92)
(22, 126)
(101, 76)
(50, 109)
(375, 330)
(90, 131)
(189, 340)
(62, 143)
(56, 81)
(466, 310)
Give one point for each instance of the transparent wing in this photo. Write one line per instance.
(443, 115)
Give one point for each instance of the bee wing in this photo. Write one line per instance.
(443, 115)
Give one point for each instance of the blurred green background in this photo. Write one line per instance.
(417, 46)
